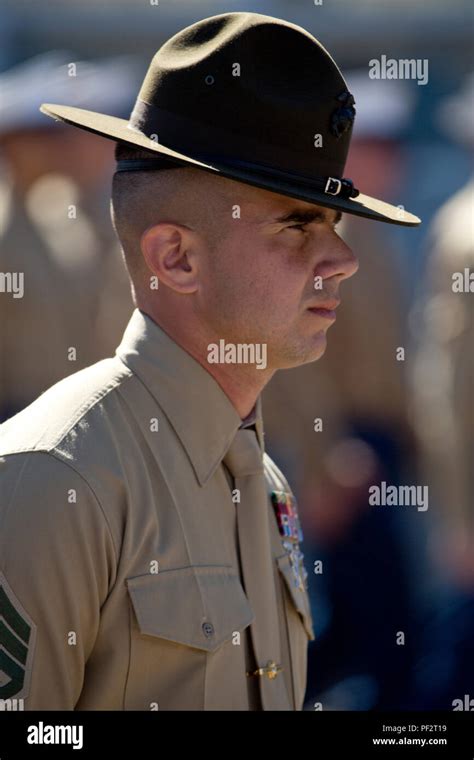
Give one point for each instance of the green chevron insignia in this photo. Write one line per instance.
(17, 641)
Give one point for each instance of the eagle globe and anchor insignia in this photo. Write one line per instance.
(343, 117)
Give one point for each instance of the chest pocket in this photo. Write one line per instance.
(200, 606)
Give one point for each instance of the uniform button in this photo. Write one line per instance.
(208, 630)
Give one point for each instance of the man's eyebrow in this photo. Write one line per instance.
(305, 217)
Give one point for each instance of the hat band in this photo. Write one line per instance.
(343, 188)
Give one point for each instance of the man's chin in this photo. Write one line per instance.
(306, 355)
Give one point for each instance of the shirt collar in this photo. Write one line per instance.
(201, 414)
(254, 419)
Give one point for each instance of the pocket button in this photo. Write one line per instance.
(208, 630)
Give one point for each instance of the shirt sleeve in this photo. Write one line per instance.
(57, 566)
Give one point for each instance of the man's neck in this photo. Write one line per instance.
(242, 383)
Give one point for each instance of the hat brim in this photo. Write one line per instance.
(113, 128)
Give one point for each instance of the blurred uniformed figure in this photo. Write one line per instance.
(443, 376)
(442, 408)
(55, 228)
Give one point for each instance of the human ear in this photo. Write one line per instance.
(168, 251)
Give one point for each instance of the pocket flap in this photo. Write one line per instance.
(199, 606)
(299, 597)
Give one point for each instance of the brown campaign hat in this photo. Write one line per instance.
(250, 97)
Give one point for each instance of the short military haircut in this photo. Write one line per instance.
(132, 206)
(188, 195)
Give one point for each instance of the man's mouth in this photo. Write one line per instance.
(326, 310)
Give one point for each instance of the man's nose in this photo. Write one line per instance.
(340, 262)
(350, 262)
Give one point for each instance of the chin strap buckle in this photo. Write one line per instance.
(344, 187)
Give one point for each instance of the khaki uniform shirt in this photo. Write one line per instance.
(120, 580)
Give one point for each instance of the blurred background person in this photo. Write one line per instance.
(55, 226)
(443, 383)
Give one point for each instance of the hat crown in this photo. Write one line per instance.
(248, 97)
(245, 85)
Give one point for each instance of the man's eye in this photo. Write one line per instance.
(300, 227)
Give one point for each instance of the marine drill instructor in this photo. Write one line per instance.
(150, 550)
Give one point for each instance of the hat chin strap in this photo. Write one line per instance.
(343, 188)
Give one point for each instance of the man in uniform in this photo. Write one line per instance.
(150, 550)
